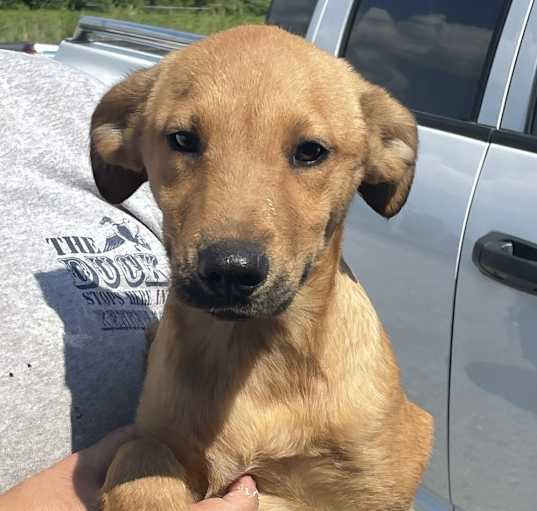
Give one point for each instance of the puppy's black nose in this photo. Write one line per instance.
(232, 268)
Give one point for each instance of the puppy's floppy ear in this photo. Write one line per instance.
(116, 126)
(393, 139)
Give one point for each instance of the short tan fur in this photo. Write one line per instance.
(303, 391)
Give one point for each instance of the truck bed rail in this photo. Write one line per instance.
(96, 29)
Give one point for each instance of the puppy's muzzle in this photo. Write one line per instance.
(231, 270)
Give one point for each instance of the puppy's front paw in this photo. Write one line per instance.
(145, 476)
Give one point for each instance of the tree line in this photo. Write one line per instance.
(255, 7)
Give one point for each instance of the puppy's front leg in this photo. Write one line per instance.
(145, 476)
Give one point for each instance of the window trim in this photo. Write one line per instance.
(518, 100)
(476, 131)
(489, 59)
(531, 116)
(515, 140)
(503, 66)
(467, 129)
(347, 30)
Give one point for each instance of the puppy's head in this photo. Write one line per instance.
(254, 142)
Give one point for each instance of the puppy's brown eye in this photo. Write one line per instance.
(309, 153)
(184, 142)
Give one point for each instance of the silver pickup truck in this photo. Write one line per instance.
(454, 275)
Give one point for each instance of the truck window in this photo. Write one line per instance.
(294, 16)
(433, 55)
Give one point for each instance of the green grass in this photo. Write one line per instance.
(51, 26)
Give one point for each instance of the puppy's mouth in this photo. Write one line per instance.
(269, 301)
(231, 314)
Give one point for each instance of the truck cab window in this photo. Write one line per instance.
(432, 55)
(294, 16)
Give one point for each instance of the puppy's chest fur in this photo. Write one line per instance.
(302, 460)
(282, 446)
(310, 456)
(307, 427)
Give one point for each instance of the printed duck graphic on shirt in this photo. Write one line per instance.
(121, 233)
(119, 278)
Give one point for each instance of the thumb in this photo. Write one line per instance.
(243, 495)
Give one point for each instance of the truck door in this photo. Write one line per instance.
(449, 61)
(493, 419)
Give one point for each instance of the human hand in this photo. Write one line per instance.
(72, 484)
(242, 496)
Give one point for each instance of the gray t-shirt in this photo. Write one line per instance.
(80, 278)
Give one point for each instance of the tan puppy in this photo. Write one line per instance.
(269, 359)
